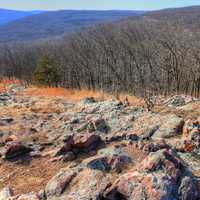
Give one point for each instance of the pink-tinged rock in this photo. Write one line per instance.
(139, 186)
(15, 149)
(191, 135)
(59, 182)
(88, 184)
(155, 146)
(79, 143)
(164, 160)
(86, 141)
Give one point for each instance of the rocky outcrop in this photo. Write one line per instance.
(97, 150)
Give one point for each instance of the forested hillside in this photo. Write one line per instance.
(56, 23)
(157, 53)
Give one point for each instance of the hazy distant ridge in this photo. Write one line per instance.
(7, 16)
(56, 23)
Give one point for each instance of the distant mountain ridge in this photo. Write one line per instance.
(7, 16)
(56, 23)
(34, 25)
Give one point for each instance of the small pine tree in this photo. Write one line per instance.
(46, 74)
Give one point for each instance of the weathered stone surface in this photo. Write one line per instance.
(158, 126)
(110, 159)
(171, 126)
(139, 186)
(88, 184)
(59, 183)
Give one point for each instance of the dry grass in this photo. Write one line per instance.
(70, 94)
(77, 95)
(4, 83)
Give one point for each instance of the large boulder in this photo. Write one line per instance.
(139, 186)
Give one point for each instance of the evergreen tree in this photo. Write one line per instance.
(46, 74)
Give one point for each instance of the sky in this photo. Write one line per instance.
(95, 4)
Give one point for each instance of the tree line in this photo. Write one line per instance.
(135, 56)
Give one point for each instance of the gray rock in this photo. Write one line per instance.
(6, 193)
(189, 189)
(171, 126)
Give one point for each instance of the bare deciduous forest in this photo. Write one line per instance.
(144, 54)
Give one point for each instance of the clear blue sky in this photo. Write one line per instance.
(95, 4)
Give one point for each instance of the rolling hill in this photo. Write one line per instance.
(7, 16)
(56, 23)
(187, 16)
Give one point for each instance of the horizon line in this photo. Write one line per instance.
(74, 9)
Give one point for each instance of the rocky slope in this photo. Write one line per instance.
(53, 148)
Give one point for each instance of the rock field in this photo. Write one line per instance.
(52, 148)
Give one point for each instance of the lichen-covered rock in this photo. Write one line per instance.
(157, 126)
(172, 125)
